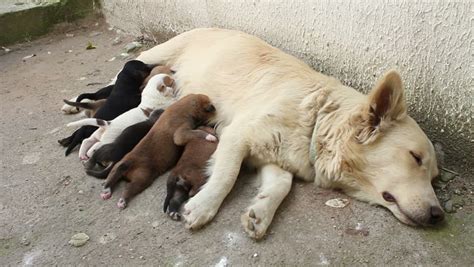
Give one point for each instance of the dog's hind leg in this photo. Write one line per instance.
(276, 183)
(228, 157)
(114, 176)
(142, 179)
(94, 148)
(85, 146)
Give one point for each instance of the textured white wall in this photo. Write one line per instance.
(429, 42)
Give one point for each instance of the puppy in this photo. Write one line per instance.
(160, 69)
(109, 154)
(90, 107)
(72, 106)
(124, 96)
(161, 148)
(189, 175)
(157, 94)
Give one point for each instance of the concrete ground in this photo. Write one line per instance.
(45, 198)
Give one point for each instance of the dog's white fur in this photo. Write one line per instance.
(269, 105)
(157, 94)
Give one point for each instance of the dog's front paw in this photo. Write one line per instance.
(198, 212)
(254, 224)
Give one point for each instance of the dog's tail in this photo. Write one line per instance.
(84, 105)
(91, 122)
(101, 174)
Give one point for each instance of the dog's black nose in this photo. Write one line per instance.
(210, 108)
(437, 215)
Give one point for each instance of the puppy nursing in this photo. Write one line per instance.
(158, 93)
(161, 148)
(189, 175)
(109, 154)
(124, 96)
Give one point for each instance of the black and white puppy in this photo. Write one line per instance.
(125, 95)
(111, 153)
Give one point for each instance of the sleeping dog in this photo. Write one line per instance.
(157, 94)
(109, 154)
(189, 175)
(124, 96)
(161, 148)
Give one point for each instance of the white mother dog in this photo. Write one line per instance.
(288, 120)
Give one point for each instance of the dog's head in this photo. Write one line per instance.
(136, 70)
(389, 160)
(202, 108)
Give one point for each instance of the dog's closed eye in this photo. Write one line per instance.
(417, 158)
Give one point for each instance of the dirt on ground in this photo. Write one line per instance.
(46, 198)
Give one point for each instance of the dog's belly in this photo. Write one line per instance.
(253, 85)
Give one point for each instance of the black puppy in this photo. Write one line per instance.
(125, 95)
(109, 154)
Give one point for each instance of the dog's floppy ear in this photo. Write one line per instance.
(386, 103)
(387, 99)
(168, 81)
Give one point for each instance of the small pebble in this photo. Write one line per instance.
(79, 240)
(448, 206)
(81, 192)
(25, 242)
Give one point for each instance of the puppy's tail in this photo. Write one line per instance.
(91, 122)
(84, 105)
(101, 174)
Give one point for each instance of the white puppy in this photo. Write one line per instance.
(158, 93)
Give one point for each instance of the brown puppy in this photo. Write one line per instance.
(161, 148)
(189, 175)
(160, 69)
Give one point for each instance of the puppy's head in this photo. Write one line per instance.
(136, 70)
(201, 106)
(158, 86)
(160, 69)
(389, 160)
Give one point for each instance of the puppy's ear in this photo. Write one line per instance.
(386, 103)
(387, 99)
(168, 81)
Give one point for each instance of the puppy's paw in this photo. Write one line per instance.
(211, 138)
(83, 158)
(198, 212)
(121, 204)
(175, 216)
(253, 224)
(106, 193)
